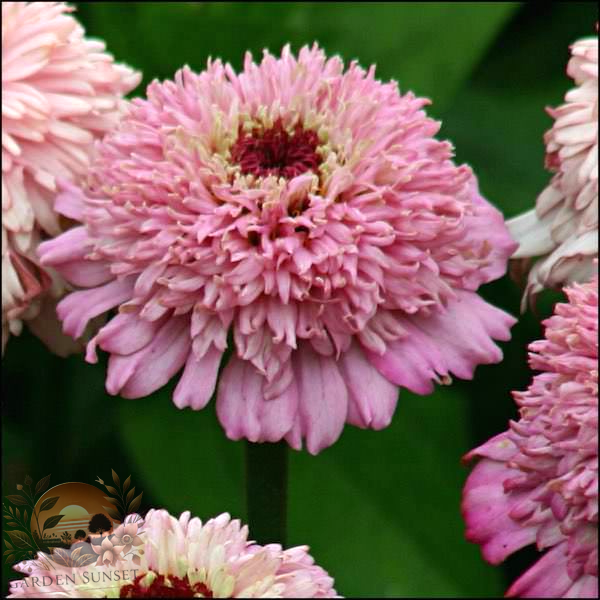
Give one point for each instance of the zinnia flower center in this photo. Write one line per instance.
(276, 151)
(151, 585)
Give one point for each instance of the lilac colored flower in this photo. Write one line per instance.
(60, 91)
(307, 211)
(538, 481)
(184, 558)
(563, 228)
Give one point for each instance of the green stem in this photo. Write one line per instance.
(266, 491)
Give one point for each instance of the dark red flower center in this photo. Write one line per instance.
(164, 587)
(276, 152)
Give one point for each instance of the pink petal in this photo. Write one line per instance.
(127, 333)
(585, 587)
(243, 410)
(372, 398)
(141, 373)
(322, 398)
(486, 510)
(71, 201)
(72, 245)
(76, 310)
(487, 226)
(86, 274)
(456, 340)
(198, 381)
(546, 579)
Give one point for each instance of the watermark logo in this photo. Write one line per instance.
(72, 524)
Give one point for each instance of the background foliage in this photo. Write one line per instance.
(379, 510)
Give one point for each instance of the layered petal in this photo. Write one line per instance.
(562, 230)
(303, 217)
(537, 482)
(454, 340)
(60, 93)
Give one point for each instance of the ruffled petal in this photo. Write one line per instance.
(486, 509)
(455, 340)
(143, 372)
(547, 578)
(322, 400)
(372, 398)
(243, 410)
(197, 384)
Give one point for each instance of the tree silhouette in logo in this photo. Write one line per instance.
(99, 524)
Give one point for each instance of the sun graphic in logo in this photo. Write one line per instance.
(66, 510)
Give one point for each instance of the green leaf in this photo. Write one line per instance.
(42, 485)
(116, 478)
(52, 522)
(19, 538)
(17, 499)
(49, 503)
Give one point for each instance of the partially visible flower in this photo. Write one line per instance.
(301, 212)
(60, 92)
(108, 551)
(563, 228)
(126, 536)
(186, 558)
(538, 481)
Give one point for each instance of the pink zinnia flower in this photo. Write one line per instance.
(538, 481)
(60, 91)
(308, 211)
(184, 558)
(563, 228)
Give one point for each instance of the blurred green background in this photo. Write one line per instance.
(380, 510)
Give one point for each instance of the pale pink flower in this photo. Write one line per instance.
(308, 211)
(108, 551)
(563, 228)
(126, 536)
(60, 91)
(538, 481)
(185, 557)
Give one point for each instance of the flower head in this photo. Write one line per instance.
(306, 210)
(184, 558)
(538, 481)
(563, 228)
(60, 92)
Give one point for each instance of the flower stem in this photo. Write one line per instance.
(266, 491)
